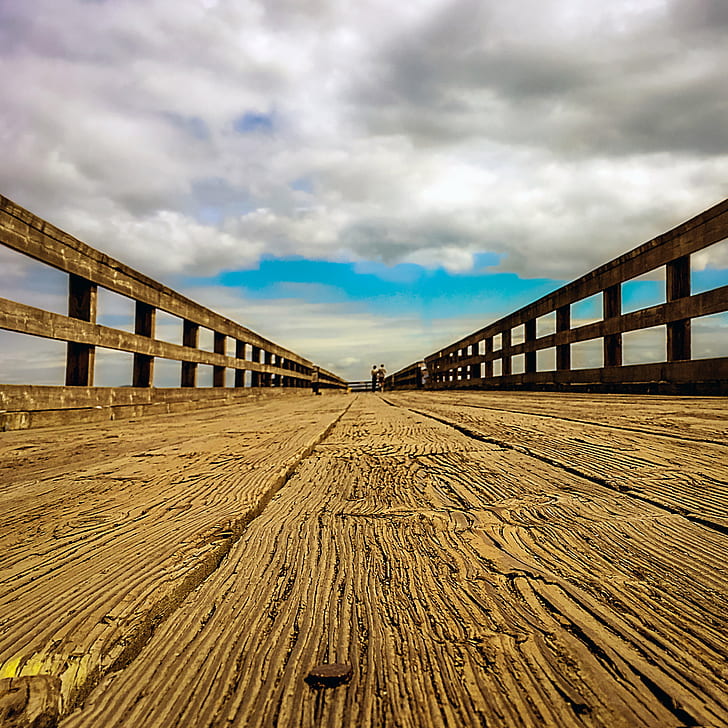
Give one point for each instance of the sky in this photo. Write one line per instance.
(359, 181)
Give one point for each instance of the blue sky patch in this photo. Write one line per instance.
(426, 293)
(252, 121)
(403, 288)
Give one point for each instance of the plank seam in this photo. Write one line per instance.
(712, 525)
(722, 443)
(161, 611)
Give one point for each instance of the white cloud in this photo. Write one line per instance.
(601, 124)
(342, 337)
(425, 132)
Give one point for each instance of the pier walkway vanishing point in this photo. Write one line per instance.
(479, 559)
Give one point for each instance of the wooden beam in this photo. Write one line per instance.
(34, 397)
(190, 338)
(240, 354)
(700, 304)
(80, 358)
(563, 325)
(22, 231)
(26, 319)
(677, 281)
(612, 308)
(488, 369)
(144, 324)
(530, 337)
(505, 352)
(218, 372)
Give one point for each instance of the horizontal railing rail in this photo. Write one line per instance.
(269, 364)
(363, 385)
(411, 377)
(468, 362)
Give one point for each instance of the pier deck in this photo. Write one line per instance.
(479, 559)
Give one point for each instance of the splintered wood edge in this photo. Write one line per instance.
(30, 702)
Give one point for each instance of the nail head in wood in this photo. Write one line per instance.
(329, 675)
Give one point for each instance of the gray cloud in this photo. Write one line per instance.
(574, 91)
(551, 133)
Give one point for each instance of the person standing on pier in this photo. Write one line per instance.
(381, 374)
(374, 377)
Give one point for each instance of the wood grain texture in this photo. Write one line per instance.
(30, 702)
(106, 529)
(468, 580)
(683, 469)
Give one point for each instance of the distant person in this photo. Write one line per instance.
(381, 374)
(424, 377)
(374, 377)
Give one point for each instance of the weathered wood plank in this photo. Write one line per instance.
(26, 319)
(699, 418)
(103, 531)
(467, 584)
(686, 476)
(30, 702)
(24, 397)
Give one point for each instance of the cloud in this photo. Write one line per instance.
(450, 129)
(190, 138)
(342, 337)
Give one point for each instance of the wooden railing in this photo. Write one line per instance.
(469, 361)
(271, 365)
(411, 377)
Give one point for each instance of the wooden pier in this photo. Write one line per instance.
(478, 559)
(453, 552)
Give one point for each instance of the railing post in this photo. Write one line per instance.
(80, 358)
(218, 372)
(255, 377)
(144, 321)
(678, 286)
(239, 354)
(563, 351)
(190, 337)
(505, 347)
(612, 307)
(268, 377)
(474, 369)
(530, 356)
(488, 364)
